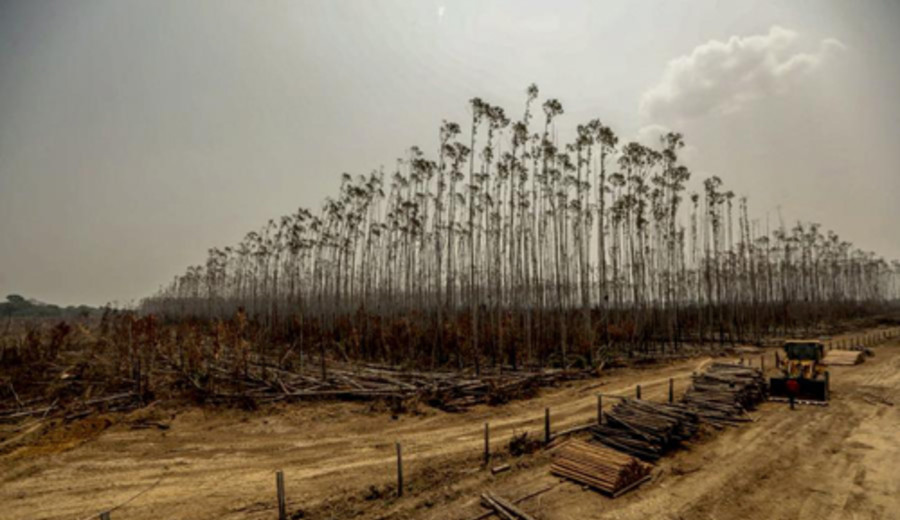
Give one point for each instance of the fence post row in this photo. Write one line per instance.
(279, 476)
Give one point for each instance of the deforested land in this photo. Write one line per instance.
(504, 323)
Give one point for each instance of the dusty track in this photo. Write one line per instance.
(838, 462)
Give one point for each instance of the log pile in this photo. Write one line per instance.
(599, 467)
(843, 357)
(449, 391)
(77, 390)
(646, 429)
(723, 394)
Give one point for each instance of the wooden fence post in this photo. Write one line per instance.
(279, 488)
(671, 390)
(399, 470)
(546, 426)
(637, 391)
(599, 409)
(487, 444)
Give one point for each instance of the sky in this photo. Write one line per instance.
(136, 134)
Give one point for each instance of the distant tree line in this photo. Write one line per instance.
(17, 306)
(508, 247)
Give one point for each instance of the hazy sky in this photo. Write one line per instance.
(134, 135)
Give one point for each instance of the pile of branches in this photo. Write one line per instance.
(521, 444)
(646, 429)
(723, 394)
(603, 469)
(449, 391)
(62, 371)
(454, 394)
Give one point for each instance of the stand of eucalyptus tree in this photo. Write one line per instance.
(509, 248)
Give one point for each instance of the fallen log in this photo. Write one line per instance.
(500, 469)
(504, 508)
(517, 501)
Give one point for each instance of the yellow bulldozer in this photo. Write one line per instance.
(804, 379)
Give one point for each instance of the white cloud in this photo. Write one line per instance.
(722, 77)
(649, 135)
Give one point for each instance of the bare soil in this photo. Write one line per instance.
(835, 462)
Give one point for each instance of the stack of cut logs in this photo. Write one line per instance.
(843, 357)
(601, 468)
(723, 394)
(646, 429)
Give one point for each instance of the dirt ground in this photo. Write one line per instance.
(835, 462)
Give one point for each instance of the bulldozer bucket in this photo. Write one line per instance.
(812, 390)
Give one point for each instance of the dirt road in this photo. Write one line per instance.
(835, 462)
(838, 462)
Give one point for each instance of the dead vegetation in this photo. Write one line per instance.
(123, 361)
(69, 371)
